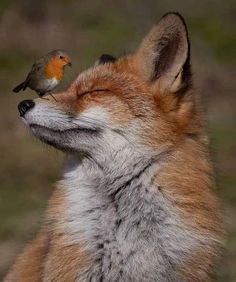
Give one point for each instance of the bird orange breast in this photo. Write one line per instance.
(54, 69)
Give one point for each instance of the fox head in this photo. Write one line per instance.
(137, 105)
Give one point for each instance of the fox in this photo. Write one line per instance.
(137, 200)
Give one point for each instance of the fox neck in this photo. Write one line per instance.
(118, 216)
(94, 190)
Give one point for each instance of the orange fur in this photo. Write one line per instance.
(26, 269)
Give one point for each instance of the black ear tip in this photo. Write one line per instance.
(175, 15)
(106, 58)
(178, 20)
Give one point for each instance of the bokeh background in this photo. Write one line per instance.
(87, 29)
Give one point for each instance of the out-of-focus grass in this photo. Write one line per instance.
(15, 204)
(218, 35)
(223, 143)
(10, 60)
(227, 184)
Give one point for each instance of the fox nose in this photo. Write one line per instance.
(25, 106)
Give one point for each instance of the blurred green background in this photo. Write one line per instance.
(87, 29)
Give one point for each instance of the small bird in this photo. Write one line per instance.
(46, 73)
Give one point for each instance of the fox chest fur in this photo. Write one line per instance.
(126, 223)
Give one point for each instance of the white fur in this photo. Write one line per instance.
(53, 116)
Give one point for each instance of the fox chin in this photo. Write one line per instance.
(137, 198)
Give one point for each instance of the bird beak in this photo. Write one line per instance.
(69, 64)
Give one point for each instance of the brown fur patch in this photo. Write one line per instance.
(28, 266)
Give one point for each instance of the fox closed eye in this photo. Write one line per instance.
(79, 95)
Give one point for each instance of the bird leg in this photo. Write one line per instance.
(52, 96)
(41, 96)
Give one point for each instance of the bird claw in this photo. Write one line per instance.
(44, 98)
(53, 97)
(48, 99)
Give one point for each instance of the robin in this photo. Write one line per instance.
(46, 73)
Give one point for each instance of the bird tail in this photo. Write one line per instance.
(19, 87)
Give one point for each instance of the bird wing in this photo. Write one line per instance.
(36, 68)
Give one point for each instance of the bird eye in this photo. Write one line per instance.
(61, 57)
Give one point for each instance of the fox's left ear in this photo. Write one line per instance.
(105, 58)
(164, 55)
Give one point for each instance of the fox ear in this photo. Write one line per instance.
(105, 58)
(164, 54)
